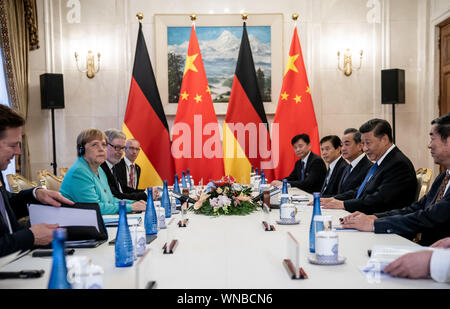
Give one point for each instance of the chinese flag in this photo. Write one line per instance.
(295, 112)
(246, 136)
(196, 141)
(145, 121)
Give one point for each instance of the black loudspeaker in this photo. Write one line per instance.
(393, 86)
(52, 91)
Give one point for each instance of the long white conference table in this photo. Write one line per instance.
(234, 252)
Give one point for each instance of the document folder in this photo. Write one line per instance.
(83, 222)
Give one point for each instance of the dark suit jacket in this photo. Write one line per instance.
(122, 176)
(314, 174)
(392, 186)
(21, 238)
(356, 177)
(127, 192)
(335, 178)
(424, 216)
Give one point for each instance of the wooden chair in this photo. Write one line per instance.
(18, 183)
(423, 182)
(63, 171)
(423, 185)
(49, 180)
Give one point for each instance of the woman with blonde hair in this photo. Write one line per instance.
(86, 182)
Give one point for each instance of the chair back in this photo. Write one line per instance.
(63, 171)
(49, 180)
(18, 183)
(423, 182)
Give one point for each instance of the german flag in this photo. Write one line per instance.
(246, 139)
(145, 121)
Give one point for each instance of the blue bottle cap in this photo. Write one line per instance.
(149, 190)
(165, 182)
(316, 194)
(284, 180)
(60, 233)
(122, 203)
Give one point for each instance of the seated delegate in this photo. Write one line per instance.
(86, 182)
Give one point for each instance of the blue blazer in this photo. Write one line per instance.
(81, 185)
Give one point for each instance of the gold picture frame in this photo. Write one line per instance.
(163, 21)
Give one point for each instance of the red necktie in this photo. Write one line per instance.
(131, 184)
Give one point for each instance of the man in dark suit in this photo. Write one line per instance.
(116, 146)
(429, 216)
(13, 236)
(391, 181)
(359, 165)
(127, 170)
(309, 172)
(330, 147)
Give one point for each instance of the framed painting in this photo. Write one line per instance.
(219, 37)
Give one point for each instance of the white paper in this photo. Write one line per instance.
(62, 215)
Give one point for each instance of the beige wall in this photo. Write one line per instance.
(393, 34)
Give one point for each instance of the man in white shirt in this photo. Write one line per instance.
(358, 166)
(116, 147)
(390, 183)
(133, 147)
(331, 153)
(429, 216)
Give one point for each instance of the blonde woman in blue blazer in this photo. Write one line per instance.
(86, 182)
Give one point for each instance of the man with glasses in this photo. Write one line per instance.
(115, 150)
(127, 170)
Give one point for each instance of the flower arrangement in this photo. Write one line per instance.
(225, 197)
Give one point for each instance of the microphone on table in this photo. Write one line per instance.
(183, 198)
(273, 191)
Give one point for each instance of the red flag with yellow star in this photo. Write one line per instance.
(196, 141)
(295, 111)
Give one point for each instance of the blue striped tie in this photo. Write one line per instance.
(369, 174)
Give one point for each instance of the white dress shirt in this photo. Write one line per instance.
(440, 265)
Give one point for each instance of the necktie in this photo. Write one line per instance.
(3, 212)
(369, 174)
(325, 182)
(131, 183)
(442, 188)
(302, 170)
(348, 170)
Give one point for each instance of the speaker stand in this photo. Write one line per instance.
(54, 142)
(393, 123)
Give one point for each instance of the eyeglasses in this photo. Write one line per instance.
(134, 148)
(117, 147)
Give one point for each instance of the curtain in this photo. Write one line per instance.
(19, 35)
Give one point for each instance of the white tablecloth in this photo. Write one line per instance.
(234, 252)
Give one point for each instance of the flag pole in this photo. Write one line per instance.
(140, 16)
(294, 18)
(193, 19)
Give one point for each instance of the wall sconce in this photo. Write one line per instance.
(90, 64)
(347, 69)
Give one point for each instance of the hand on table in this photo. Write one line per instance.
(359, 221)
(413, 265)
(443, 243)
(139, 206)
(276, 183)
(50, 197)
(43, 233)
(331, 203)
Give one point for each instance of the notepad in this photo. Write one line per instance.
(114, 221)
